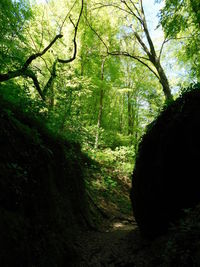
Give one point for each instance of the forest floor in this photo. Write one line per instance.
(117, 242)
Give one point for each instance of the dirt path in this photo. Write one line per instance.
(118, 243)
(119, 246)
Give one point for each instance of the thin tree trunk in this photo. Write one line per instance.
(100, 106)
(136, 141)
(130, 115)
(99, 119)
(121, 112)
(51, 98)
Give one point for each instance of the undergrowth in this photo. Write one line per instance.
(108, 179)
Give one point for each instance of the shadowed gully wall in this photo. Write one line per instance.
(42, 199)
(166, 177)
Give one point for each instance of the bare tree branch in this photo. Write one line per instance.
(137, 10)
(169, 39)
(122, 53)
(30, 74)
(111, 5)
(131, 11)
(45, 62)
(146, 50)
(49, 83)
(61, 27)
(97, 34)
(139, 15)
(31, 39)
(26, 72)
(137, 58)
(162, 46)
(42, 37)
(146, 31)
(74, 39)
(34, 56)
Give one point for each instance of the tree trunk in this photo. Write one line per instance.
(51, 100)
(121, 112)
(155, 60)
(130, 117)
(100, 107)
(99, 119)
(136, 137)
(163, 81)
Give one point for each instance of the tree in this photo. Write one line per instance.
(135, 31)
(14, 16)
(99, 99)
(96, 64)
(100, 104)
(25, 69)
(181, 22)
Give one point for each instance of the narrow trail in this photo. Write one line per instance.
(118, 242)
(120, 245)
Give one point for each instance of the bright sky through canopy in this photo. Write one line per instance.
(151, 12)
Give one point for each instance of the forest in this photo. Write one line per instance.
(91, 90)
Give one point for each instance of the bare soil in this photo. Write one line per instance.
(119, 244)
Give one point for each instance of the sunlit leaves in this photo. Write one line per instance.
(14, 16)
(181, 19)
(131, 95)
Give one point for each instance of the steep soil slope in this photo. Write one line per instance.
(42, 199)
